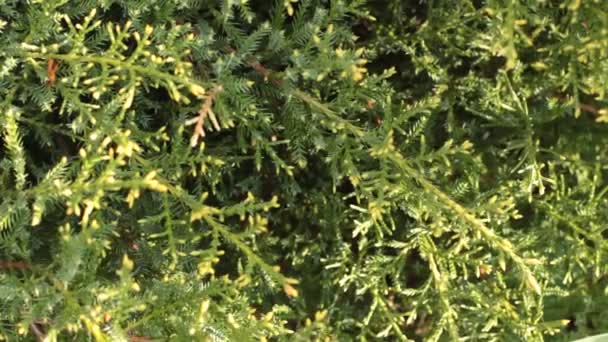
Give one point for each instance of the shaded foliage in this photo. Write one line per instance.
(303, 170)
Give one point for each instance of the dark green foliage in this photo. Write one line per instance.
(303, 170)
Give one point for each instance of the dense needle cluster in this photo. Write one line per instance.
(303, 170)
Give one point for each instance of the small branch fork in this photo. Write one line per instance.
(206, 111)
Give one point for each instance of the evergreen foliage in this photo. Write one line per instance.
(303, 170)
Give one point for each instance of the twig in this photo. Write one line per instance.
(20, 265)
(40, 335)
(583, 106)
(261, 69)
(205, 112)
(51, 69)
(139, 339)
(588, 108)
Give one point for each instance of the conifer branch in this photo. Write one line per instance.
(452, 206)
(13, 142)
(394, 223)
(337, 122)
(388, 314)
(118, 64)
(441, 286)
